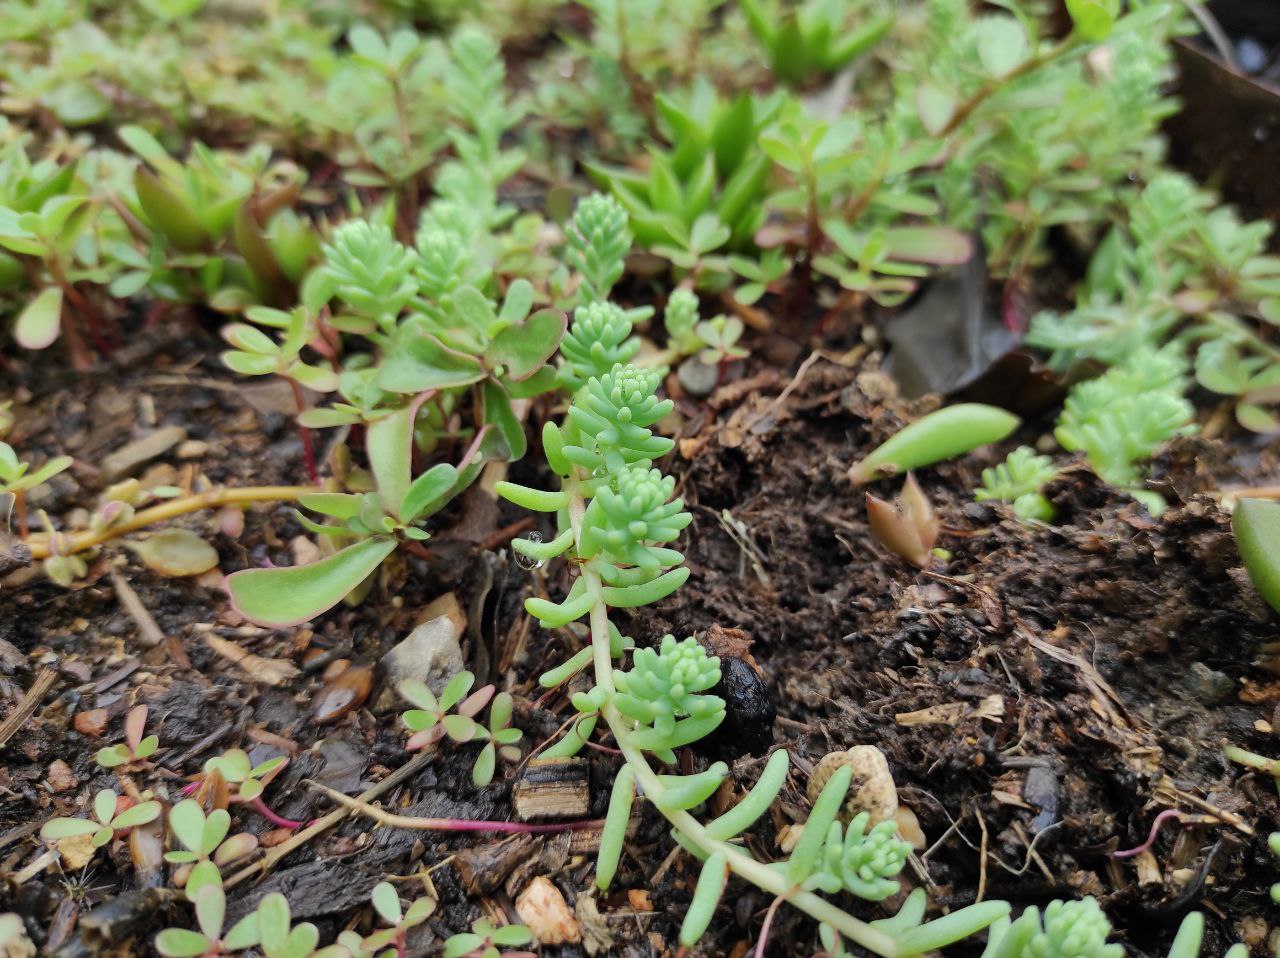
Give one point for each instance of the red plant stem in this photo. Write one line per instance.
(768, 923)
(308, 443)
(259, 806)
(1163, 817)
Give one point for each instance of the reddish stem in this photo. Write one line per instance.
(1163, 817)
(259, 806)
(768, 923)
(308, 443)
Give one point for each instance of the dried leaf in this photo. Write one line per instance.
(260, 669)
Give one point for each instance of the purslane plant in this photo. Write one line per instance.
(616, 519)
(453, 714)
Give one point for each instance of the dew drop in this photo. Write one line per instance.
(528, 563)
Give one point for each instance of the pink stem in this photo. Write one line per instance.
(259, 806)
(1163, 817)
(188, 789)
(768, 923)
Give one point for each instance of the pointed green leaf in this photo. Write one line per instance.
(1256, 523)
(430, 487)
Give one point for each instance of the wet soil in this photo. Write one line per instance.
(1041, 695)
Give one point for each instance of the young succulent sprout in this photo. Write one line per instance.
(948, 432)
(485, 941)
(250, 780)
(908, 529)
(135, 749)
(211, 909)
(113, 813)
(204, 838)
(434, 718)
(387, 904)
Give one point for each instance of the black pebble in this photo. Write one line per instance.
(747, 728)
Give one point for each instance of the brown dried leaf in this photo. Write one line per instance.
(258, 668)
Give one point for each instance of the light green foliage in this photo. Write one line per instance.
(487, 941)
(681, 319)
(204, 837)
(663, 691)
(707, 191)
(1068, 929)
(16, 475)
(615, 515)
(951, 431)
(1179, 269)
(1256, 524)
(108, 820)
(369, 270)
(206, 894)
(598, 240)
(1121, 418)
(864, 862)
(454, 713)
(1018, 480)
(248, 780)
(135, 748)
(598, 340)
(816, 37)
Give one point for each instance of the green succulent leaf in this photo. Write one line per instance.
(283, 597)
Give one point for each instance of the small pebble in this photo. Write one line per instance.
(543, 909)
(92, 722)
(60, 778)
(871, 790)
(343, 695)
(192, 449)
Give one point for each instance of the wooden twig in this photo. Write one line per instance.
(149, 632)
(266, 863)
(18, 717)
(413, 823)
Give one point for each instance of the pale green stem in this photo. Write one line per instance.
(758, 873)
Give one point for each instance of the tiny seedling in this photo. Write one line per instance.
(908, 528)
(454, 713)
(211, 910)
(399, 920)
(113, 813)
(948, 432)
(234, 768)
(134, 750)
(204, 838)
(485, 941)
(1018, 480)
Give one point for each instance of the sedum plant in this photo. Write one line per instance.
(616, 519)
(815, 37)
(1018, 481)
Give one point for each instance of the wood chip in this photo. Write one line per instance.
(149, 632)
(258, 668)
(129, 457)
(553, 788)
(949, 713)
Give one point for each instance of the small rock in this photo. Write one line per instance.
(60, 778)
(129, 457)
(343, 695)
(303, 550)
(76, 851)
(192, 449)
(1208, 685)
(14, 942)
(93, 722)
(871, 790)
(430, 653)
(697, 377)
(543, 909)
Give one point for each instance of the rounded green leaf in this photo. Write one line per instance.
(58, 828)
(1256, 523)
(139, 814)
(285, 597)
(386, 902)
(175, 553)
(40, 321)
(486, 764)
(181, 943)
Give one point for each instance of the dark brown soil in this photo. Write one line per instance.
(1041, 695)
